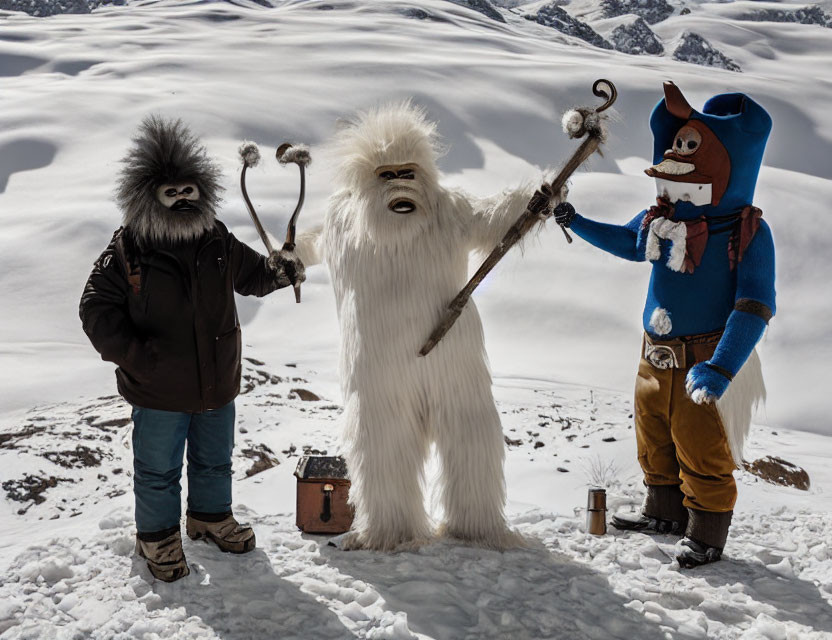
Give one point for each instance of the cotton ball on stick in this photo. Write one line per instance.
(294, 153)
(250, 153)
(573, 123)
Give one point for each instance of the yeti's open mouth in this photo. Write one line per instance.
(402, 205)
(184, 205)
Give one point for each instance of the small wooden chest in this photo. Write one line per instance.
(323, 490)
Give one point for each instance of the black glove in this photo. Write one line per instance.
(541, 201)
(564, 214)
(287, 268)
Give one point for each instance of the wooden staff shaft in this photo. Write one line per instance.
(520, 228)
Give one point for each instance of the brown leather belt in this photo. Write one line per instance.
(682, 352)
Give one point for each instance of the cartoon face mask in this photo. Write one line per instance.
(180, 197)
(696, 168)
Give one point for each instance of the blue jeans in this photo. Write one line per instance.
(158, 445)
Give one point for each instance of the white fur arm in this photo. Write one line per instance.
(309, 246)
(493, 216)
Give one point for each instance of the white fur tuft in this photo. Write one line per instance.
(572, 122)
(660, 321)
(250, 153)
(738, 403)
(297, 154)
(677, 233)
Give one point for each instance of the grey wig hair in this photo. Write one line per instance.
(166, 152)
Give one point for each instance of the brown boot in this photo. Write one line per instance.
(164, 554)
(222, 529)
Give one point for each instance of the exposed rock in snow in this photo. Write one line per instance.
(652, 11)
(483, 6)
(694, 48)
(803, 15)
(44, 8)
(636, 38)
(551, 15)
(778, 471)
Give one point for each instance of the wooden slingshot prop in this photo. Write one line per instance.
(577, 123)
(287, 153)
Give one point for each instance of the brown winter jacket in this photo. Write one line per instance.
(172, 329)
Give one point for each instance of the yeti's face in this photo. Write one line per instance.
(400, 186)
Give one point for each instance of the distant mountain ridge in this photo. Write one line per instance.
(583, 20)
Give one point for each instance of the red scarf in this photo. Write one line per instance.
(697, 233)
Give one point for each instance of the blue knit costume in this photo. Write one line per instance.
(717, 295)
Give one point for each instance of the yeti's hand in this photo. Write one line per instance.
(541, 202)
(705, 384)
(564, 214)
(287, 268)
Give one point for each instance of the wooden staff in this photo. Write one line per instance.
(591, 126)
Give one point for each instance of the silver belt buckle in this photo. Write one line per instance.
(660, 356)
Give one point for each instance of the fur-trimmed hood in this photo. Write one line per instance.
(163, 152)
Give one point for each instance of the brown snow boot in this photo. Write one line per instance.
(164, 554)
(662, 512)
(705, 538)
(222, 529)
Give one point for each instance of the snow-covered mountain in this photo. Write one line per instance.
(562, 322)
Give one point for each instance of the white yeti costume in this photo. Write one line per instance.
(393, 275)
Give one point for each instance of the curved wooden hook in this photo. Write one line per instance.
(610, 95)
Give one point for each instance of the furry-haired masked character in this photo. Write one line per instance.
(397, 244)
(160, 304)
(710, 298)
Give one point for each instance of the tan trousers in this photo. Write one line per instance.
(681, 442)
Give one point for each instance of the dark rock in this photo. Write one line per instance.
(482, 6)
(803, 15)
(77, 458)
(636, 38)
(255, 362)
(608, 439)
(778, 471)
(696, 50)
(44, 8)
(512, 442)
(30, 487)
(563, 469)
(306, 396)
(263, 457)
(652, 11)
(554, 16)
(539, 444)
(12, 440)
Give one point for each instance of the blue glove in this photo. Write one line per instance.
(705, 384)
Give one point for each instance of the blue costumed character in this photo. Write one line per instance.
(710, 298)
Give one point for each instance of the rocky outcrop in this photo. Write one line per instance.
(482, 6)
(652, 11)
(636, 38)
(695, 49)
(803, 15)
(551, 15)
(44, 8)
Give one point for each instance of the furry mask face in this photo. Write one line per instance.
(169, 188)
(387, 162)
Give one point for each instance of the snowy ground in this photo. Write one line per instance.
(70, 571)
(562, 326)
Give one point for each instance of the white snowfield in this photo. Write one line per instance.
(562, 325)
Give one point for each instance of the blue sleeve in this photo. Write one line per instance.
(755, 291)
(619, 240)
